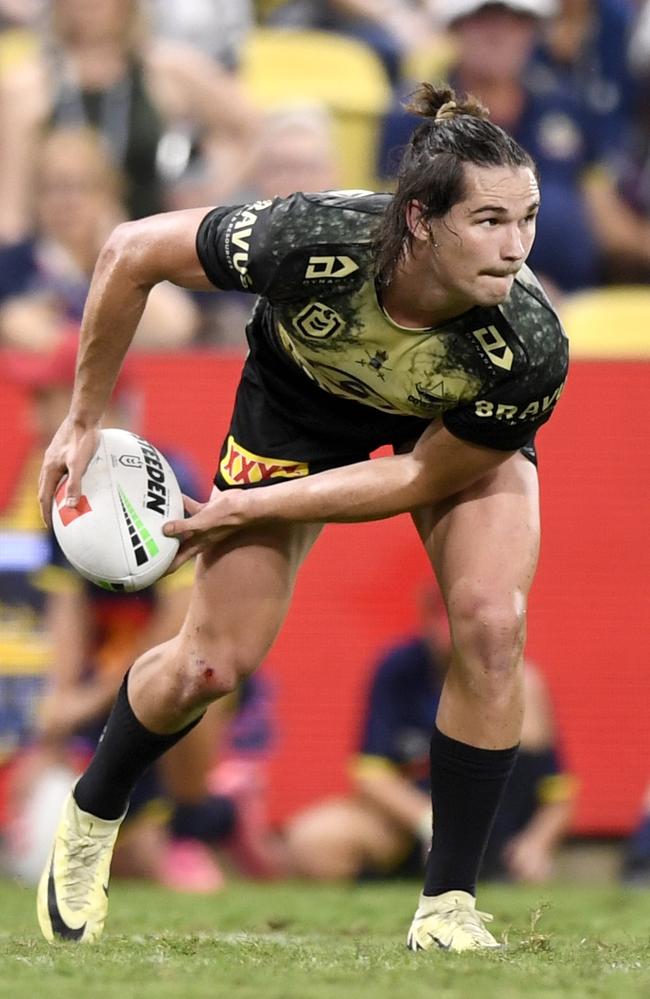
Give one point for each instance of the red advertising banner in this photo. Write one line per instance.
(588, 629)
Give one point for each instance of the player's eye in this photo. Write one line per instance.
(489, 223)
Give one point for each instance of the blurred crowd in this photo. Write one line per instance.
(122, 108)
(117, 109)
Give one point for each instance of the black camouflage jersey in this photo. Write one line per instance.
(493, 374)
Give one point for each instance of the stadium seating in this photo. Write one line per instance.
(612, 323)
(282, 67)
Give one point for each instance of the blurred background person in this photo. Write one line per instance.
(633, 159)
(495, 44)
(66, 646)
(385, 828)
(635, 870)
(168, 113)
(591, 48)
(296, 153)
(585, 45)
(217, 27)
(44, 277)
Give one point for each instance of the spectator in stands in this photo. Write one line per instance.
(218, 29)
(494, 46)
(296, 153)
(634, 159)
(44, 277)
(54, 711)
(18, 12)
(585, 45)
(156, 102)
(385, 828)
(639, 49)
(593, 48)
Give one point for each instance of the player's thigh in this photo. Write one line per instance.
(242, 591)
(484, 542)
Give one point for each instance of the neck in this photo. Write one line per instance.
(415, 300)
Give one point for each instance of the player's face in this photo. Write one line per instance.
(484, 239)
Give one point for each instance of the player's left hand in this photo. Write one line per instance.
(207, 524)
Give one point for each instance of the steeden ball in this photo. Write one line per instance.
(114, 536)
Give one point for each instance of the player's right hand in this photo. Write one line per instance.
(68, 454)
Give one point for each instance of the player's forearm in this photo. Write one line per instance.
(438, 467)
(137, 256)
(369, 490)
(114, 307)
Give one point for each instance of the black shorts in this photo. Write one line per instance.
(284, 426)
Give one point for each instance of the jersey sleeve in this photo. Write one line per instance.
(237, 246)
(507, 415)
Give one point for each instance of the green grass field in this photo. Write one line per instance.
(290, 941)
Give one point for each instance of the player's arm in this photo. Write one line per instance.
(439, 466)
(137, 256)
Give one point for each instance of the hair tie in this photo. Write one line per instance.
(447, 110)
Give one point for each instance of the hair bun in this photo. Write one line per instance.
(441, 103)
(448, 110)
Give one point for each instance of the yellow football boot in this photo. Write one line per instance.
(450, 921)
(72, 898)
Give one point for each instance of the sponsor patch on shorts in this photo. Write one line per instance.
(240, 467)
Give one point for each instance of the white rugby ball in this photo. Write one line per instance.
(113, 537)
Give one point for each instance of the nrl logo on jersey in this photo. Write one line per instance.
(323, 268)
(317, 321)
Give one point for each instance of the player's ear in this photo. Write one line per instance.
(416, 221)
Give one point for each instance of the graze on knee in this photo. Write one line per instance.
(206, 679)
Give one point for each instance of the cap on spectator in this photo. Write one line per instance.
(454, 10)
(56, 368)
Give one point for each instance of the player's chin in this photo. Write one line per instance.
(493, 289)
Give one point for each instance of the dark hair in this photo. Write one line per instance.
(432, 172)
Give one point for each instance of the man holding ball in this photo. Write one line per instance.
(408, 320)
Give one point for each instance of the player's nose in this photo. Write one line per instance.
(512, 247)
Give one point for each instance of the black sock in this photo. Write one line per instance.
(210, 820)
(126, 749)
(466, 788)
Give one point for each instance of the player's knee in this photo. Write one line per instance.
(488, 630)
(208, 674)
